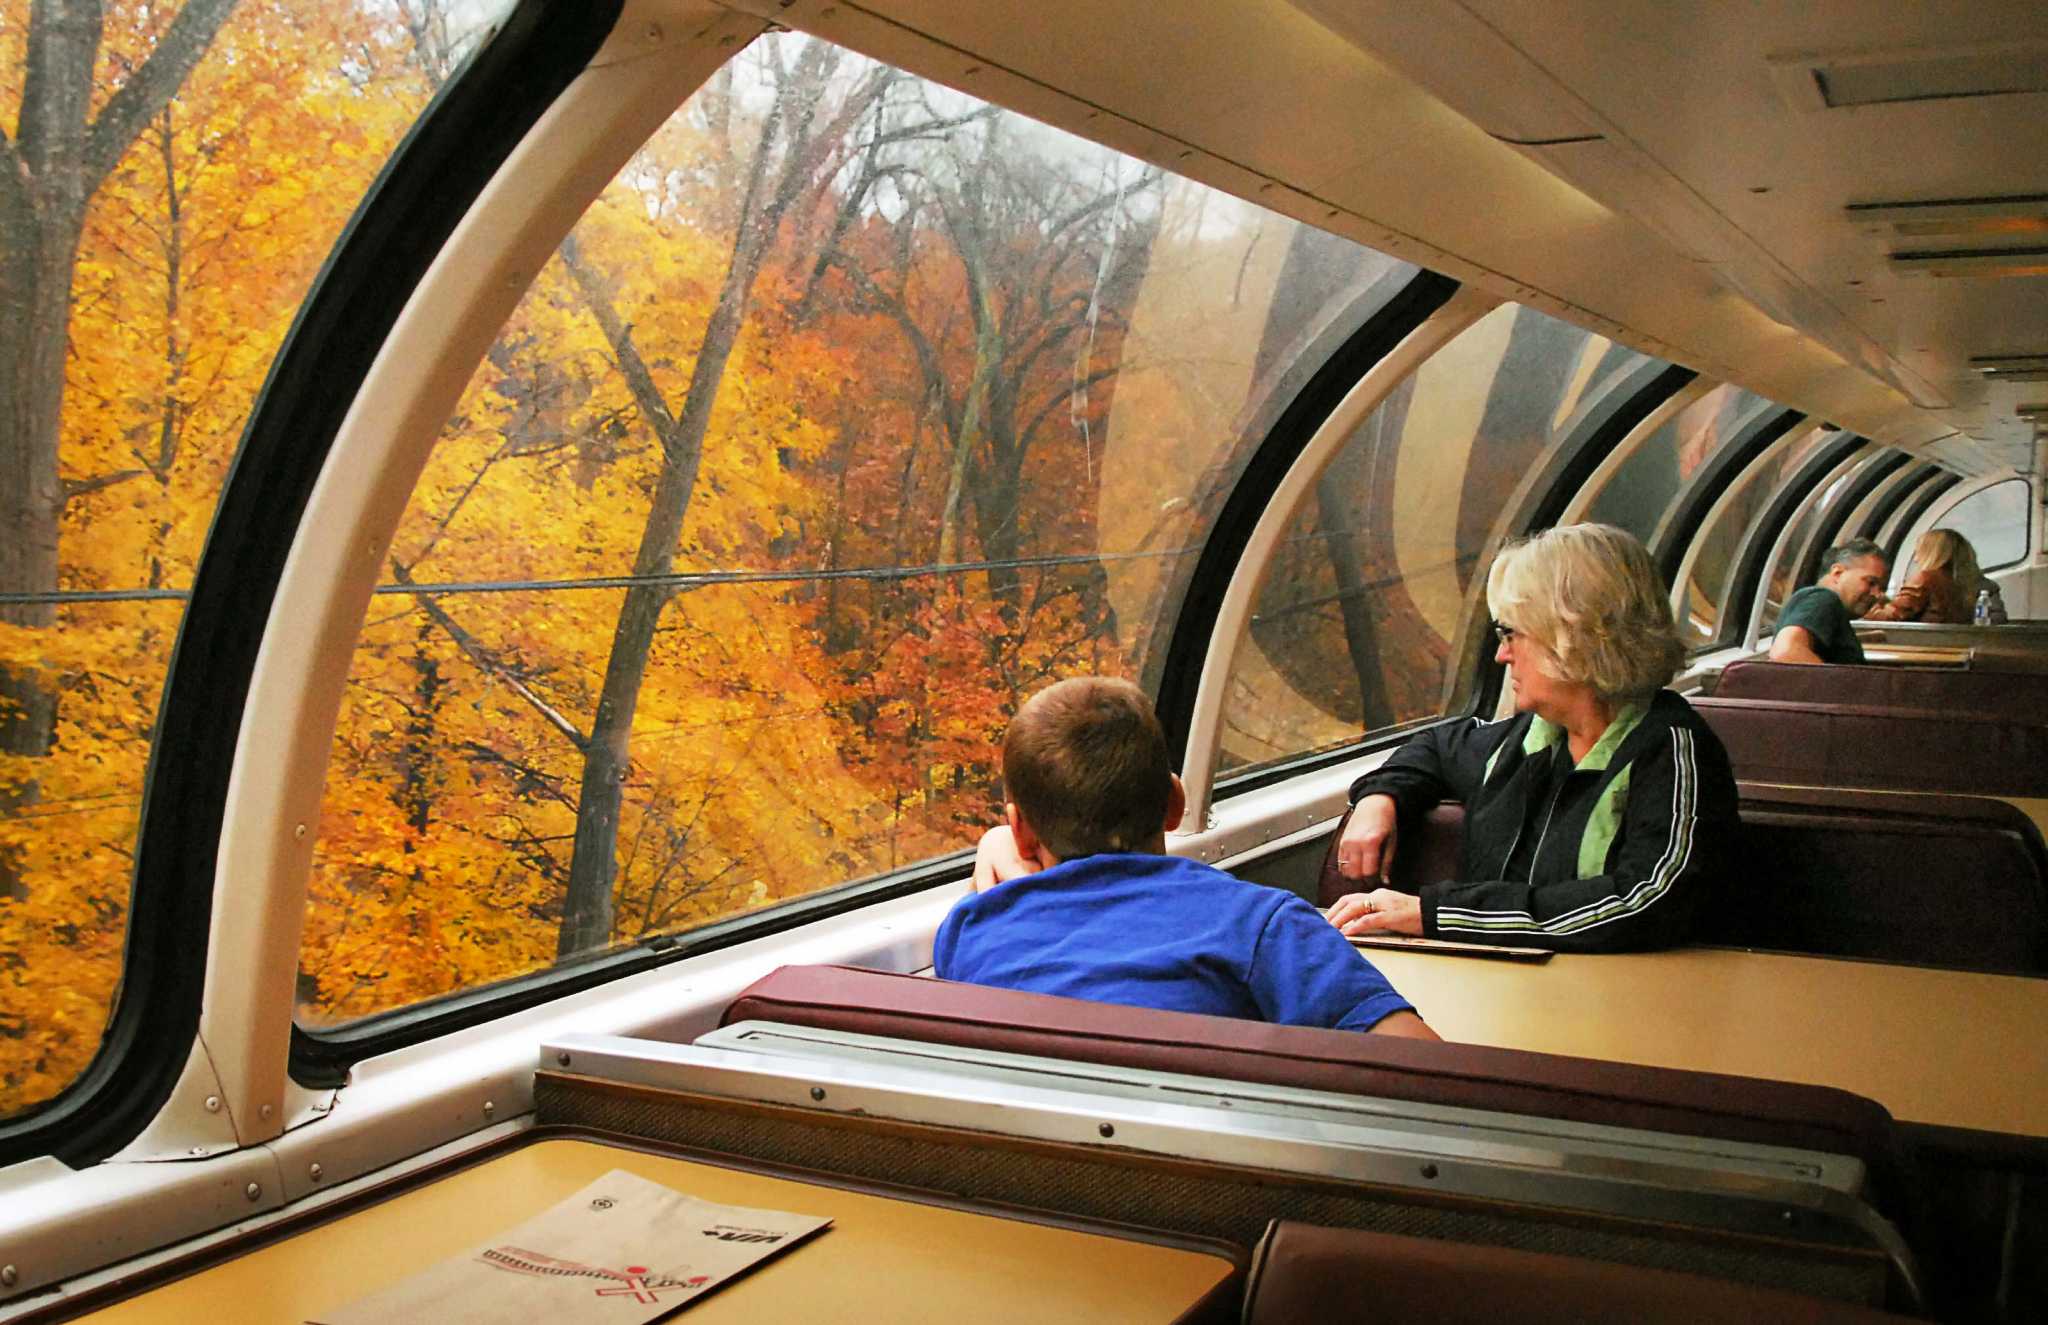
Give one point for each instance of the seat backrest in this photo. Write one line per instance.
(1425, 852)
(1955, 881)
(1383, 1066)
(2019, 696)
(1304, 1272)
(1772, 740)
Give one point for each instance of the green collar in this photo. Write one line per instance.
(1543, 733)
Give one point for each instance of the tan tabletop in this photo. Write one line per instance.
(1917, 655)
(882, 1259)
(1952, 1048)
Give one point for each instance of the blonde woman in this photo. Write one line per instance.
(1598, 814)
(1944, 583)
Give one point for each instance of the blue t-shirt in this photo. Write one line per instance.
(1819, 609)
(1163, 932)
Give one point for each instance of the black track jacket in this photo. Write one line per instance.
(1612, 854)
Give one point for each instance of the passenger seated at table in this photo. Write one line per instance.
(1598, 818)
(1815, 625)
(1944, 585)
(1076, 896)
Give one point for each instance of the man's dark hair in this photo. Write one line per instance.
(1851, 552)
(1085, 763)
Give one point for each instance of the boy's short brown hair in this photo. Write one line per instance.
(1085, 763)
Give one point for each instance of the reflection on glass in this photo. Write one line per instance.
(1699, 617)
(852, 413)
(1354, 625)
(156, 247)
(1995, 522)
(1640, 489)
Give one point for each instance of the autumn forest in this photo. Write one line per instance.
(853, 411)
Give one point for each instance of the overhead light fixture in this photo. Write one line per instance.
(2011, 367)
(1980, 263)
(2021, 214)
(1817, 82)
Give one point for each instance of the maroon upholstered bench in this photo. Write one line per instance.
(1387, 1067)
(1302, 1272)
(2020, 696)
(1841, 745)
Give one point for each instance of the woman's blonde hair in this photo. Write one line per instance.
(1590, 596)
(1945, 549)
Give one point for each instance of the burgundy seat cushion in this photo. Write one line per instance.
(1461, 1075)
(2011, 696)
(1302, 1272)
(1771, 740)
(1424, 852)
(1955, 881)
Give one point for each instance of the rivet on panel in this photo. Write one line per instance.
(253, 1192)
(652, 34)
(9, 1276)
(299, 831)
(265, 1112)
(316, 1173)
(213, 1104)
(1107, 1129)
(563, 1059)
(1429, 1171)
(817, 1092)
(490, 1109)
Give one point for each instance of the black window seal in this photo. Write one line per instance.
(1863, 477)
(1918, 507)
(1880, 511)
(1684, 519)
(321, 1058)
(424, 190)
(1746, 582)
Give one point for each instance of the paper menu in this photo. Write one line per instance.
(622, 1250)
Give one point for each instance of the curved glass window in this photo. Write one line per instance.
(1706, 586)
(853, 412)
(145, 291)
(1800, 532)
(1995, 522)
(1354, 626)
(1640, 489)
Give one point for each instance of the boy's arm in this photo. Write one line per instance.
(1303, 973)
(997, 859)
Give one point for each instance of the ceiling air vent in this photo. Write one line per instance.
(1836, 82)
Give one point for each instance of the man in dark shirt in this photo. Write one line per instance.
(1079, 897)
(1817, 623)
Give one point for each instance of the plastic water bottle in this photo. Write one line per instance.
(1982, 615)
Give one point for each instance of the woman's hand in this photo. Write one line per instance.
(1366, 851)
(997, 859)
(1381, 911)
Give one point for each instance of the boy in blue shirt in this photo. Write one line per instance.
(1090, 906)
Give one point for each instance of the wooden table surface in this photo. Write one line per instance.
(1950, 1048)
(883, 1259)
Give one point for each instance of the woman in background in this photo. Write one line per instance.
(1943, 586)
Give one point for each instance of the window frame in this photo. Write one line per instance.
(1684, 519)
(2026, 525)
(322, 1058)
(423, 191)
(1726, 632)
(1885, 503)
(1915, 508)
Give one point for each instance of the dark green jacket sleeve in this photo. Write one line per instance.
(1679, 824)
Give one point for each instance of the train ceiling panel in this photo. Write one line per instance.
(1870, 174)
(1261, 98)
